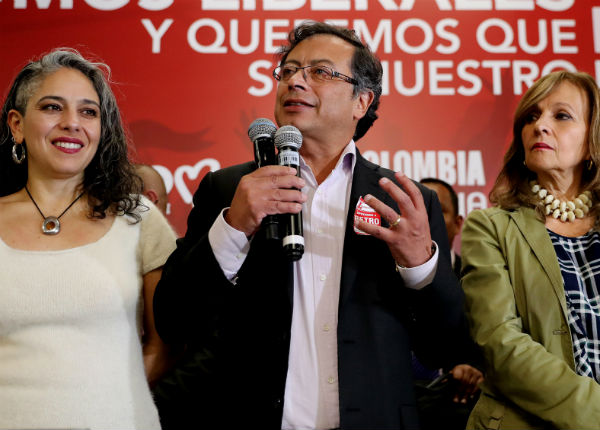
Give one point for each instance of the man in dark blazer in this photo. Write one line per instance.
(323, 342)
(448, 403)
(453, 219)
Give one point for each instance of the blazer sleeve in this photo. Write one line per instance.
(439, 328)
(517, 366)
(193, 286)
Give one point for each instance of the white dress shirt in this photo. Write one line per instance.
(311, 398)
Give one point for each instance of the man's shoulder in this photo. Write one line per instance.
(388, 173)
(224, 181)
(366, 164)
(237, 170)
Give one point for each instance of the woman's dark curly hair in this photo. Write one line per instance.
(109, 180)
(366, 67)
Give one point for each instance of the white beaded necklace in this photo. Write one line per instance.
(565, 210)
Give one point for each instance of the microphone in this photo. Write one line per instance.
(261, 133)
(288, 141)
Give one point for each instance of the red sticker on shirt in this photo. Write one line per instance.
(365, 213)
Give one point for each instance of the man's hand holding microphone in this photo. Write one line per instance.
(269, 190)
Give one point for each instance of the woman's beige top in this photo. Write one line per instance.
(70, 325)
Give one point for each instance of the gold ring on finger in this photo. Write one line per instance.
(395, 223)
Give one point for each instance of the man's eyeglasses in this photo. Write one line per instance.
(316, 74)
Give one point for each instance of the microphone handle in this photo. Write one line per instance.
(293, 239)
(264, 152)
(264, 155)
(270, 224)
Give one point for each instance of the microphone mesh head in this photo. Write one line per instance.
(288, 135)
(261, 127)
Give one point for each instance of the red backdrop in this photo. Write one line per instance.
(191, 75)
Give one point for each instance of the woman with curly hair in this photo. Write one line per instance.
(81, 254)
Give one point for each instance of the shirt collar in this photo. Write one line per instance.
(345, 163)
(347, 160)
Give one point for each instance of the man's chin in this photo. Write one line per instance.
(289, 121)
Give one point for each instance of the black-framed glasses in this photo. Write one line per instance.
(316, 74)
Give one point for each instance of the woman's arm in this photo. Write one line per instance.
(158, 356)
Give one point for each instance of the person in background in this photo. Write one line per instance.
(453, 219)
(531, 265)
(445, 398)
(81, 254)
(321, 342)
(154, 186)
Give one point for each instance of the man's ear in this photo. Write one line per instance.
(363, 101)
(152, 195)
(15, 123)
(459, 220)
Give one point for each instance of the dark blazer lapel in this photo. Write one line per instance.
(365, 180)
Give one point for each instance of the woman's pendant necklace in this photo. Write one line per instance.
(51, 224)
